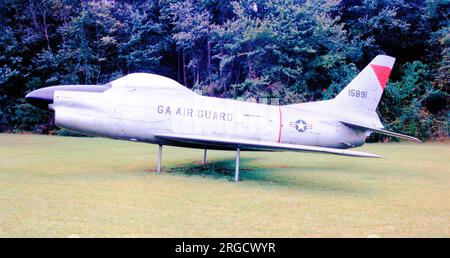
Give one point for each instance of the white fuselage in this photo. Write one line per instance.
(137, 114)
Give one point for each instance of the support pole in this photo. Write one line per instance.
(158, 169)
(238, 156)
(204, 157)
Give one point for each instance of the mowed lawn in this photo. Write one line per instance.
(92, 187)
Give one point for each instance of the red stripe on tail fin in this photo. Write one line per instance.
(382, 73)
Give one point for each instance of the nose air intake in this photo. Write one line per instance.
(42, 98)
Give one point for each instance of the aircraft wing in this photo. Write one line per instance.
(213, 141)
(381, 131)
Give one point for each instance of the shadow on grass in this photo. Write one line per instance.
(218, 169)
(276, 176)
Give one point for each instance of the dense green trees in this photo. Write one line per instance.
(292, 50)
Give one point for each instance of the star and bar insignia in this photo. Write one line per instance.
(300, 125)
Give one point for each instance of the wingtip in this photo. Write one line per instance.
(414, 139)
(361, 154)
(376, 156)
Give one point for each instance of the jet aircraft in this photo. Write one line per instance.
(155, 109)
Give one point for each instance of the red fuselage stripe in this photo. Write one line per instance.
(281, 125)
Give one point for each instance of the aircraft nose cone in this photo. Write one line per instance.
(41, 98)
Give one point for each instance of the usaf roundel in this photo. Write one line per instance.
(300, 125)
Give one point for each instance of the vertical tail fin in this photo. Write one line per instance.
(365, 90)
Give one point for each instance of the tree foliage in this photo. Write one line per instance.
(291, 50)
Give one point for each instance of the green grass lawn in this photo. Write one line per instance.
(92, 187)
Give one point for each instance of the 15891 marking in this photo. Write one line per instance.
(357, 93)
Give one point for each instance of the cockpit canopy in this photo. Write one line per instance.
(148, 81)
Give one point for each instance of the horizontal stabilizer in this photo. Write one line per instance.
(381, 131)
(214, 141)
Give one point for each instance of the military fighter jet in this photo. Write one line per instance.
(155, 109)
